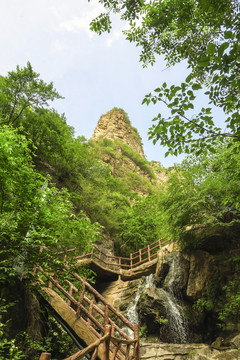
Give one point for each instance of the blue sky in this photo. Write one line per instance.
(94, 73)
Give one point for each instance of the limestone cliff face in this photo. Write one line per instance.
(119, 145)
(115, 125)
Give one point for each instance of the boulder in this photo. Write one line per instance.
(235, 341)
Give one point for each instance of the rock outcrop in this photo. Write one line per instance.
(201, 272)
(163, 303)
(151, 351)
(119, 145)
(115, 125)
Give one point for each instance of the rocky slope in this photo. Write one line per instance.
(115, 125)
(119, 145)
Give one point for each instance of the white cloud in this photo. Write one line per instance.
(75, 18)
(114, 37)
(58, 46)
(77, 24)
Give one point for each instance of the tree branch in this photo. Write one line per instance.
(202, 127)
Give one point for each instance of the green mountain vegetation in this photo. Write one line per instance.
(56, 193)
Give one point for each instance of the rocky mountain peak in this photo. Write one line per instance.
(116, 125)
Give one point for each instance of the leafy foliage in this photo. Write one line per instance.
(203, 194)
(206, 35)
(32, 212)
(8, 348)
(56, 341)
(22, 89)
(140, 225)
(39, 220)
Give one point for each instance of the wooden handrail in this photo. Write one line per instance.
(86, 309)
(80, 354)
(97, 318)
(143, 255)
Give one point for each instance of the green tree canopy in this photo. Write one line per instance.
(201, 200)
(33, 213)
(140, 225)
(22, 89)
(206, 35)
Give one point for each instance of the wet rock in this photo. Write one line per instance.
(201, 272)
(172, 272)
(150, 309)
(163, 315)
(120, 293)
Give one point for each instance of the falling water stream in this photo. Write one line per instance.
(172, 302)
(176, 321)
(132, 313)
(174, 311)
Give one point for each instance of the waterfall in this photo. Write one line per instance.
(149, 281)
(174, 312)
(131, 313)
(176, 321)
(177, 325)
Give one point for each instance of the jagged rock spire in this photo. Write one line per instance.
(116, 125)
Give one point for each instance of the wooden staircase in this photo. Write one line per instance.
(104, 331)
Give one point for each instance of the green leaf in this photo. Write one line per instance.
(196, 86)
(222, 48)
(229, 35)
(211, 48)
(204, 61)
(189, 78)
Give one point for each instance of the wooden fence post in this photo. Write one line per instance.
(70, 293)
(136, 345)
(140, 255)
(81, 298)
(90, 312)
(131, 261)
(45, 356)
(106, 315)
(149, 254)
(106, 350)
(160, 244)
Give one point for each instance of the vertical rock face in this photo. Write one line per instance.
(115, 125)
(201, 273)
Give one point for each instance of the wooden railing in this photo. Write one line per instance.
(116, 263)
(109, 326)
(94, 347)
